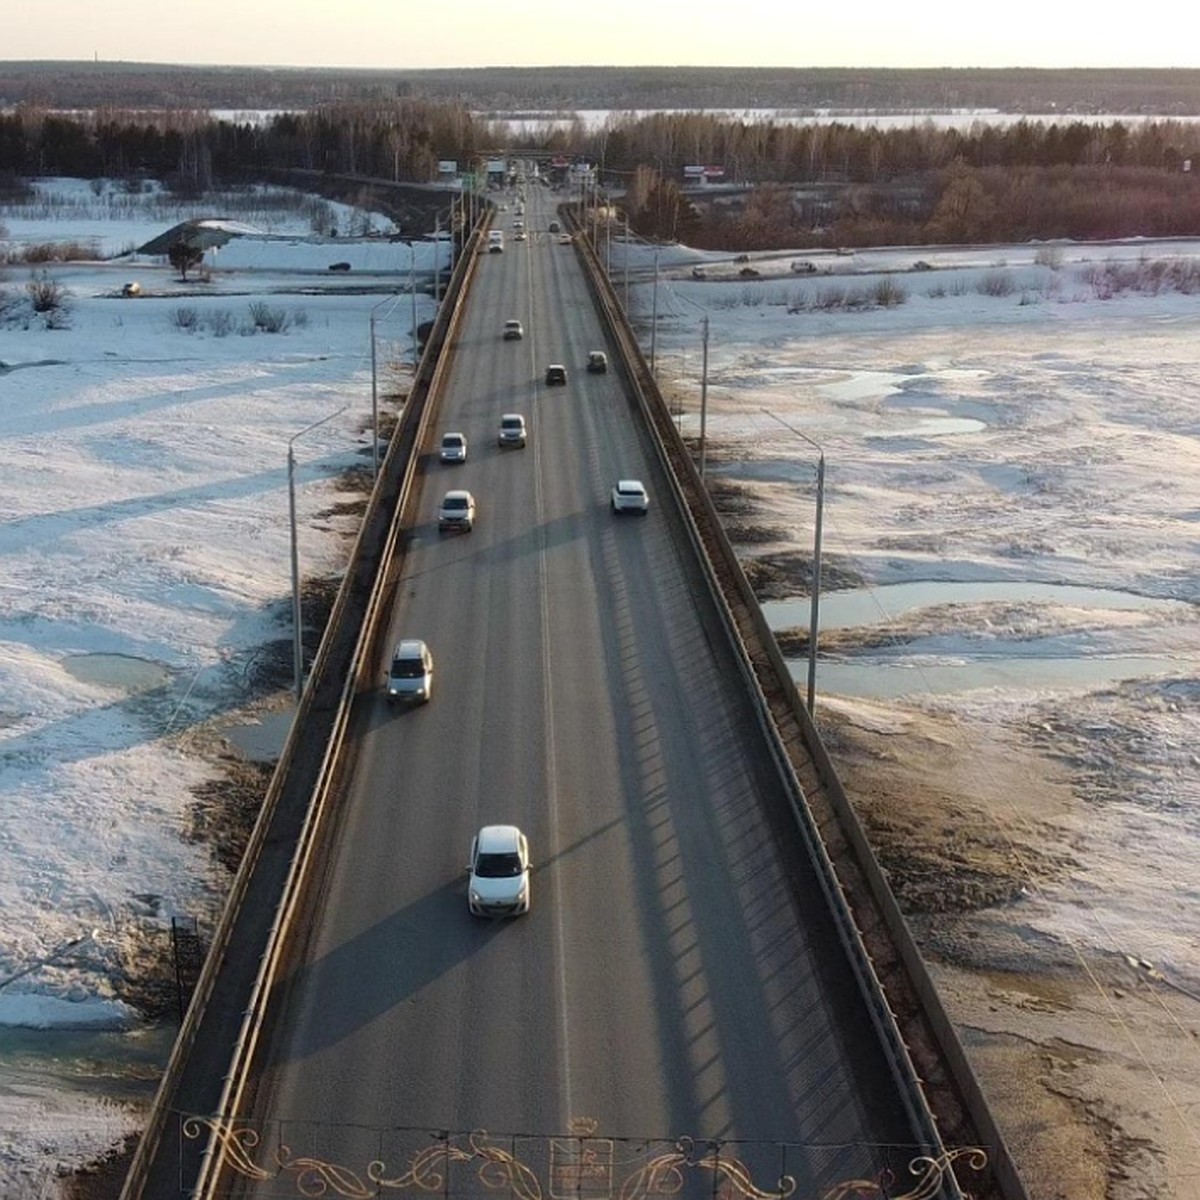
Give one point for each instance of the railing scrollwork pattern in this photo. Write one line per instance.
(578, 1166)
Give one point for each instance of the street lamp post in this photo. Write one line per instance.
(412, 293)
(437, 258)
(654, 312)
(815, 605)
(297, 638)
(704, 399)
(375, 381)
(625, 258)
(448, 213)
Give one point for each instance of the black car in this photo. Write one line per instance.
(556, 373)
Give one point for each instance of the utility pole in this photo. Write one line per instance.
(297, 630)
(654, 312)
(814, 621)
(704, 399)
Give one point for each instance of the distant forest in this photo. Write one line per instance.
(795, 183)
(508, 89)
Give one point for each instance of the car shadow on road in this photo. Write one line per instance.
(413, 947)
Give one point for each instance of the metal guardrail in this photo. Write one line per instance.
(375, 546)
(760, 657)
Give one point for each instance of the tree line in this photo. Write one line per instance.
(809, 183)
(960, 204)
(79, 85)
(400, 140)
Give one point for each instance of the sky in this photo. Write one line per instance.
(752, 33)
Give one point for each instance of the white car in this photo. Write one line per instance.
(410, 677)
(512, 430)
(629, 495)
(457, 511)
(514, 331)
(454, 448)
(498, 883)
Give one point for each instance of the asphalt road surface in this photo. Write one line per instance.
(677, 976)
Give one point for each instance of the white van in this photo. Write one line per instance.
(495, 241)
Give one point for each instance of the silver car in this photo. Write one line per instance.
(457, 511)
(454, 448)
(512, 430)
(498, 873)
(410, 677)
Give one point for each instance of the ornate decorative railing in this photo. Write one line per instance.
(301, 1160)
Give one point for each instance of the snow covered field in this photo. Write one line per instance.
(145, 543)
(1046, 436)
(1024, 420)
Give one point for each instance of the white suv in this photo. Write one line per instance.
(629, 495)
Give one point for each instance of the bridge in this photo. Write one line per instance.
(712, 993)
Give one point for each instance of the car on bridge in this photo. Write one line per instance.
(630, 496)
(457, 511)
(410, 677)
(556, 375)
(512, 430)
(454, 448)
(498, 883)
(514, 331)
(597, 363)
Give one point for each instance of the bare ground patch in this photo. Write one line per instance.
(967, 821)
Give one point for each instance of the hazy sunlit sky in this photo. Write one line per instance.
(468, 33)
